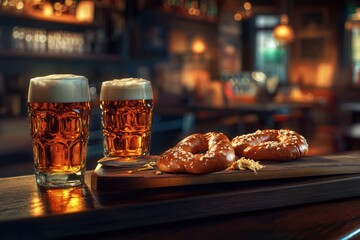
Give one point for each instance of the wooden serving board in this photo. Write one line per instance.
(108, 176)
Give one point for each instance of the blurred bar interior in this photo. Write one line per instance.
(300, 57)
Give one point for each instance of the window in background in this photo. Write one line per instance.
(270, 57)
(355, 49)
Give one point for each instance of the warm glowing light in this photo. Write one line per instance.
(296, 93)
(48, 10)
(259, 76)
(194, 11)
(42, 38)
(19, 5)
(11, 3)
(69, 2)
(57, 6)
(21, 34)
(229, 49)
(356, 15)
(193, 78)
(198, 45)
(36, 207)
(283, 32)
(177, 41)
(85, 11)
(57, 201)
(244, 13)
(238, 16)
(247, 6)
(348, 25)
(15, 32)
(4, 3)
(58, 13)
(28, 38)
(325, 73)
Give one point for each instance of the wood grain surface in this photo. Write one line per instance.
(30, 212)
(111, 176)
(326, 220)
(310, 207)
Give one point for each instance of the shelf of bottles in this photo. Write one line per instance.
(40, 41)
(206, 10)
(66, 11)
(90, 40)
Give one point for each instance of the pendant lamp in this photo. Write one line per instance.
(283, 32)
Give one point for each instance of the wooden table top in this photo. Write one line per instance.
(233, 211)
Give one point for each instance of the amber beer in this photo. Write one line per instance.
(59, 115)
(127, 106)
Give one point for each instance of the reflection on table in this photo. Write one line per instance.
(47, 201)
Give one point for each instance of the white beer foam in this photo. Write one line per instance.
(62, 88)
(126, 89)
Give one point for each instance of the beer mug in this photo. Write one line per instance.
(59, 116)
(126, 116)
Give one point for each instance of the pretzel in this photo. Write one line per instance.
(271, 144)
(198, 154)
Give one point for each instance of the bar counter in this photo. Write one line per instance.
(301, 208)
